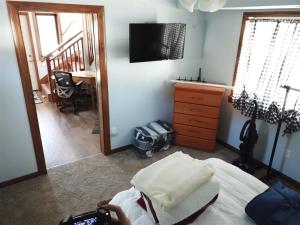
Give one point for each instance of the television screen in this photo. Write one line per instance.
(151, 42)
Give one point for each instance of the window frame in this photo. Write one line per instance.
(247, 16)
(37, 32)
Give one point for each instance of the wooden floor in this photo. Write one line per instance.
(66, 137)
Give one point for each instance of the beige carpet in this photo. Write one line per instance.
(79, 186)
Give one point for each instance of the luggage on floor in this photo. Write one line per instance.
(145, 140)
(148, 139)
(165, 131)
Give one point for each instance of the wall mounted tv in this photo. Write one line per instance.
(156, 41)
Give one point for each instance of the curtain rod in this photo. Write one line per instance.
(289, 88)
(268, 19)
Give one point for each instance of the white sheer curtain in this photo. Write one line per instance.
(269, 58)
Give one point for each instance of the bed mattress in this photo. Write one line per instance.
(237, 188)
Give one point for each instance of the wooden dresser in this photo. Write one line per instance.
(196, 115)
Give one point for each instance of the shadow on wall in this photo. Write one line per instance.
(263, 149)
(230, 123)
(286, 153)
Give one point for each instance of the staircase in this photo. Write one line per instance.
(69, 57)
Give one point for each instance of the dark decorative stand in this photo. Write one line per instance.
(269, 174)
(199, 79)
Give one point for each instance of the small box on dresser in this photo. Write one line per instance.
(196, 115)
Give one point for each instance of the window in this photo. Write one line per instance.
(71, 24)
(269, 56)
(48, 35)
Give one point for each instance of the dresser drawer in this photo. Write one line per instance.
(197, 110)
(193, 142)
(196, 121)
(198, 98)
(195, 131)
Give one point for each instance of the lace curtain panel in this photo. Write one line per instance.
(269, 58)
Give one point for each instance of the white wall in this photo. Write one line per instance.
(139, 93)
(42, 66)
(16, 149)
(219, 55)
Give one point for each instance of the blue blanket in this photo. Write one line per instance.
(278, 205)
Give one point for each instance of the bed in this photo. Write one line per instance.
(237, 189)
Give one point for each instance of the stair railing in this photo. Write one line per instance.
(69, 56)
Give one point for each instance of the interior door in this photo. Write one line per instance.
(29, 51)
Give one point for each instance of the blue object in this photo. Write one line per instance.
(278, 205)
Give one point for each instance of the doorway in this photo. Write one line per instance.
(15, 10)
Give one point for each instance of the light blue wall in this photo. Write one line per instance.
(138, 93)
(219, 55)
(141, 92)
(16, 149)
(247, 3)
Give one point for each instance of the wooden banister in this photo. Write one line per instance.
(62, 45)
(70, 58)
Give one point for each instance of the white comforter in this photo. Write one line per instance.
(237, 188)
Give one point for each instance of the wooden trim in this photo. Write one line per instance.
(54, 7)
(120, 149)
(58, 28)
(14, 7)
(89, 37)
(239, 48)
(278, 173)
(102, 82)
(19, 179)
(32, 47)
(247, 16)
(27, 88)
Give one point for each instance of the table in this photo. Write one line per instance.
(89, 78)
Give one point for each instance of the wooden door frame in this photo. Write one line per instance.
(14, 8)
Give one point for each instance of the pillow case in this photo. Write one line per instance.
(172, 179)
(200, 199)
(278, 205)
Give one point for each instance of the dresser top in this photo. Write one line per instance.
(200, 88)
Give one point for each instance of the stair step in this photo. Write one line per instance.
(44, 79)
(46, 91)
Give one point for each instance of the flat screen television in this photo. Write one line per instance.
(156, 41)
